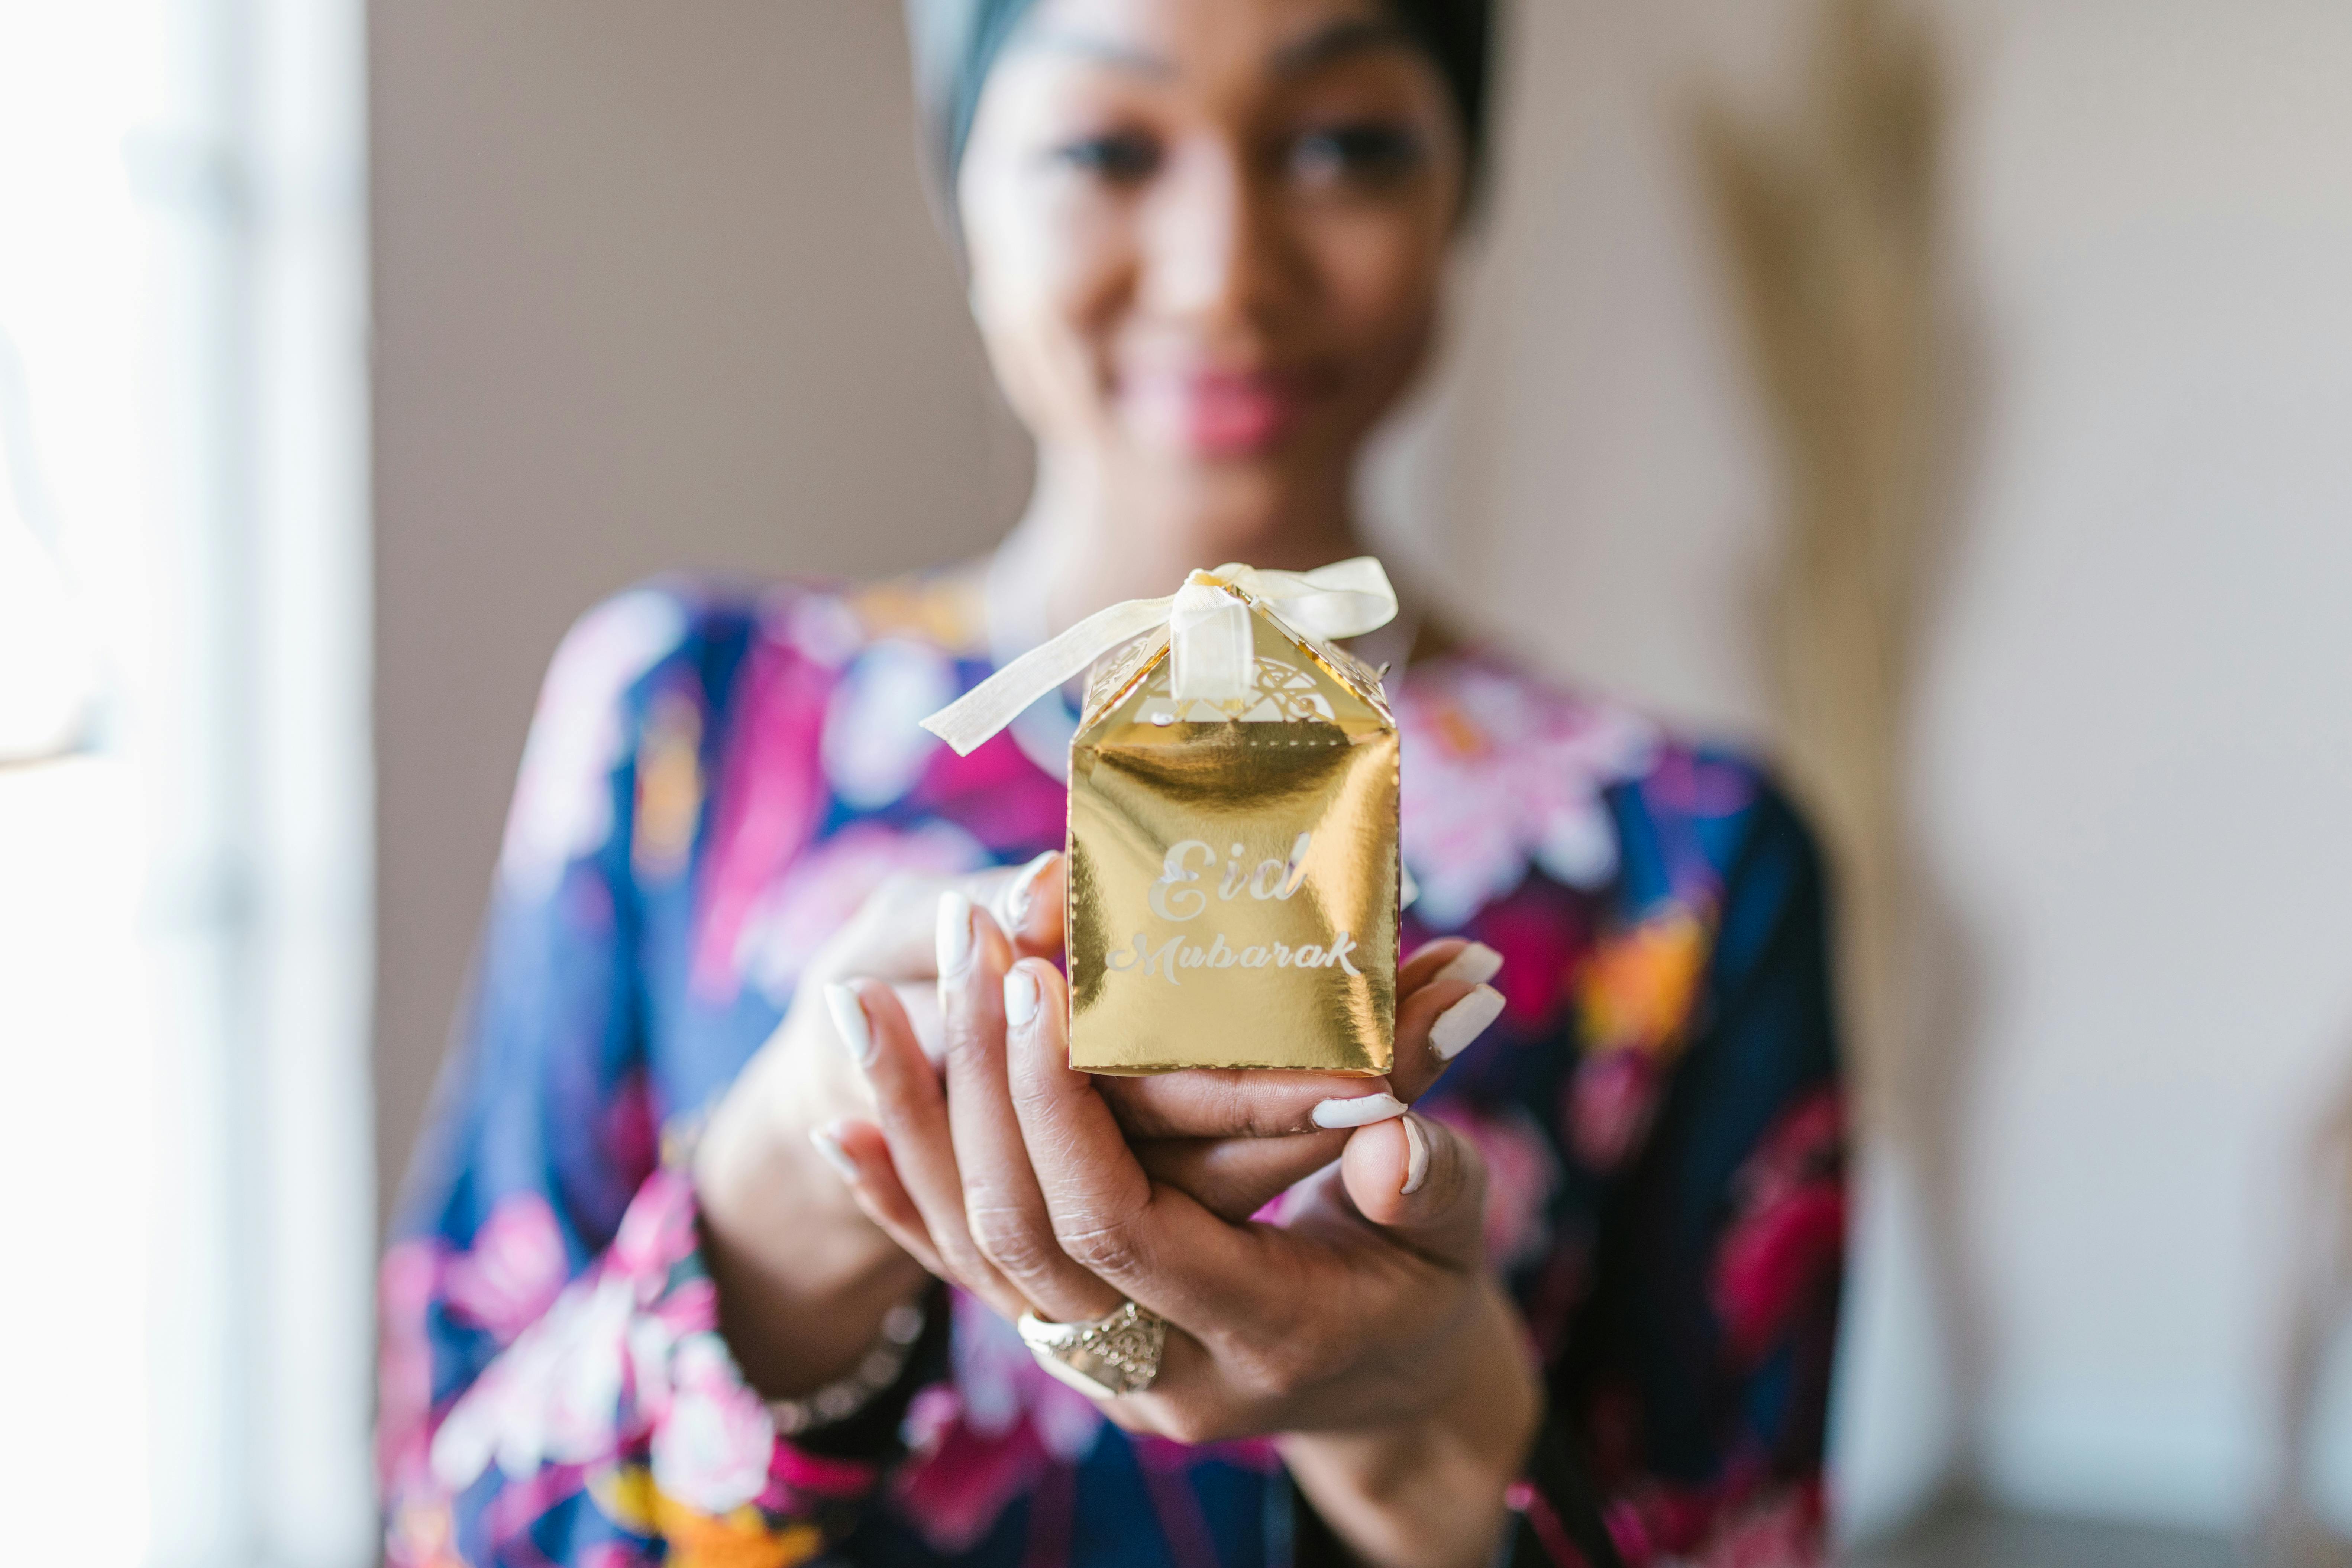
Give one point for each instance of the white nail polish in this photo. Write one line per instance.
(849, 1021)
(1417, 1156)
(828, 1145)
(1476, 963)
(1464, 1022)
(1021, 997)
(955, 943)
(1023, 891)
(1361, 1112)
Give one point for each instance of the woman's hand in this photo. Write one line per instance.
(805, 1280)
(1366, 1331)
(1235, 1139)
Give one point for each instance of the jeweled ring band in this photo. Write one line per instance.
(1104, 1359)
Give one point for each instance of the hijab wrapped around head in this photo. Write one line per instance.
(956, 43)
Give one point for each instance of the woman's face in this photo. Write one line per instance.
(1208, 236)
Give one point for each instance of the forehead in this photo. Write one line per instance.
(1173, 40)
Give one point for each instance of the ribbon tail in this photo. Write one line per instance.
(968, 721)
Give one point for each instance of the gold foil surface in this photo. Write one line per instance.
(1232, 892)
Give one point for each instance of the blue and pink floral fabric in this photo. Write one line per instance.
(715, 782)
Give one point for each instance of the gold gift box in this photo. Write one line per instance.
(1232, 866)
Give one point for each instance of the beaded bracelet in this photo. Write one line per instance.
(845, 1397)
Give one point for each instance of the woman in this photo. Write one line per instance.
(762, 1135)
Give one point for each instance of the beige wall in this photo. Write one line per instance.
(655, 286)
(2133, 745)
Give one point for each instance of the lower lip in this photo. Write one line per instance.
(1220, 418)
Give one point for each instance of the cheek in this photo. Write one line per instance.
(1047, 289)
(1386, 269)
(1380, 277)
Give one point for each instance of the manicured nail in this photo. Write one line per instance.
(849, 1020)
(827, 1139)
(955, 934)
(1361, 1112)
(1021, 997)
(1023, 891)
(1417, 1156)
(1476, 963)
(1464, 1022)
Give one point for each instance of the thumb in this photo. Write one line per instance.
(1027, 903)
(1422, 1182)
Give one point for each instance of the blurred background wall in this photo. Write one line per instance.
(656, 286)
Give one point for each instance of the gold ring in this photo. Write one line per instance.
(1104, 1359)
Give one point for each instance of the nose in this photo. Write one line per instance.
(1216, 254)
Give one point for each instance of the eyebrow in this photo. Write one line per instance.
(1353, 35)
(1335, 41)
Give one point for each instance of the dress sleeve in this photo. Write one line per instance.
(1695, 1380)
(554, 1387)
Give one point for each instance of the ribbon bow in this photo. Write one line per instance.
(1208, 635)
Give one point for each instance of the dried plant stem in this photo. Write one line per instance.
(1831, 226)
(2319, 1296)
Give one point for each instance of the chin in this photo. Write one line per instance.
(1241, 499)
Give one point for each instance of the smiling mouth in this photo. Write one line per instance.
(1223, 414)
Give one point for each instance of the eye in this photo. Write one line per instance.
(1119, 158)
(1369, 152)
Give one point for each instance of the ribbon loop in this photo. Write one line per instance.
(1211, 642)
(1212, 651)
(1345, 599)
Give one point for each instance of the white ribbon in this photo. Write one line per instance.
(1209, 637)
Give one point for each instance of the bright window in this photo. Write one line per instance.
(184, 1170)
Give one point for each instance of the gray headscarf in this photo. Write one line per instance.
(957, 42)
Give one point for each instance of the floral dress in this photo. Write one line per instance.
(714, 782)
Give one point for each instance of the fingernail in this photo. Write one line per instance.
(1023, 891)
(1464, 1022)
(827, 1139)
(1417, 1156)
(1361, 1112)
(849, 1020)
(1021, 997)
(955, 933)
(1476, 963)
